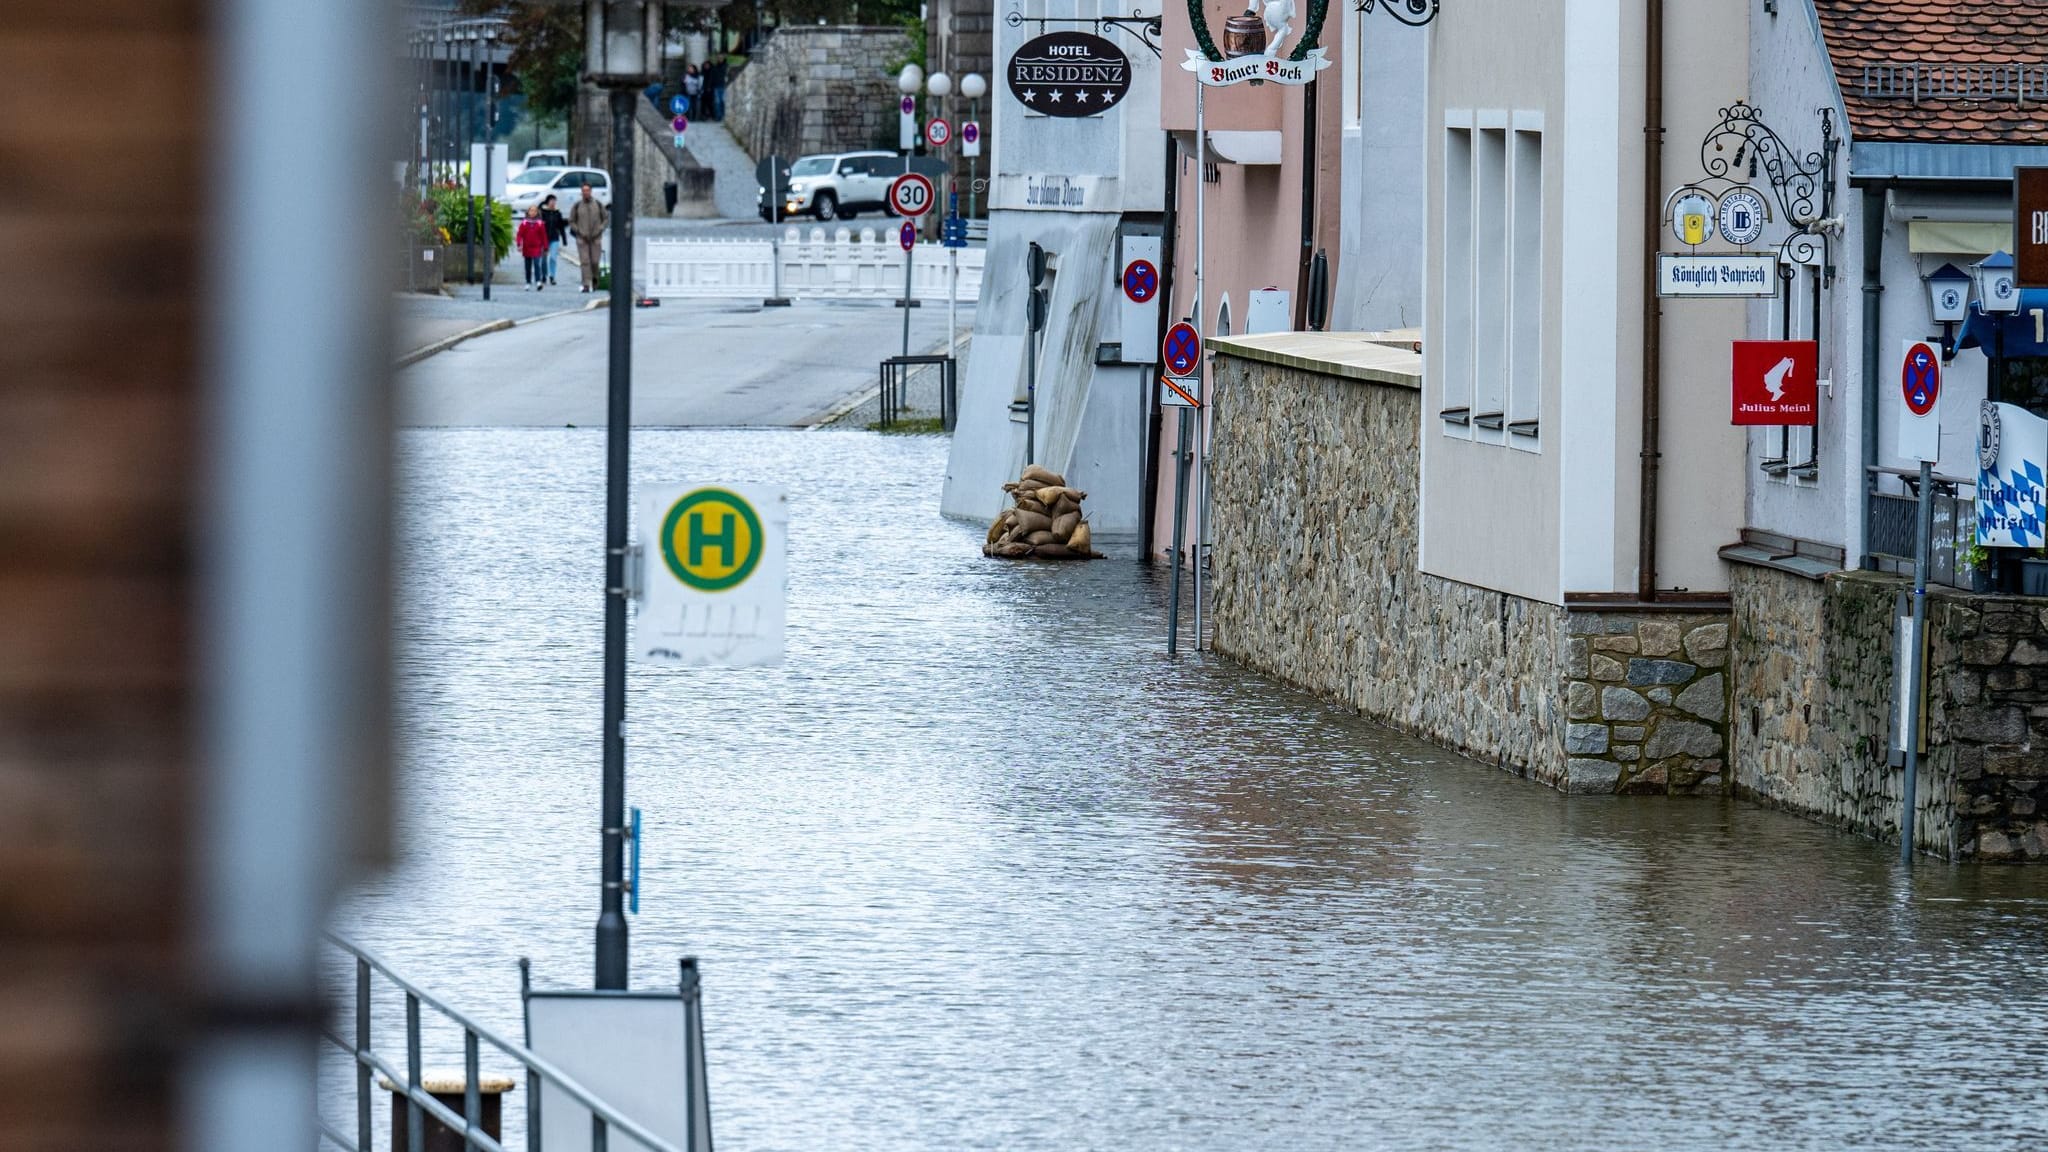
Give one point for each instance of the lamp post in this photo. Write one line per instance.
(908, 82)
(974, 87)
(621, 53)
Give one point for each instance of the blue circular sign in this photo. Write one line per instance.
(1183, 349)
(908, 236)
(1141, 281)
(677, 105)
(1920, 379)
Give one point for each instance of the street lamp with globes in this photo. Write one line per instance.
(974, 87)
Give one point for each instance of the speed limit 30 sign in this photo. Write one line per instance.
(912, 194)
(937, 132)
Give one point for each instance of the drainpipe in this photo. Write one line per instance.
(1873, 296)
(1309, 160)
(1653, 211)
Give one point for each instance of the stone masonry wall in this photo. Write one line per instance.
(818, 89)
(1812, 710)
(1313, 508)
(1646, 698)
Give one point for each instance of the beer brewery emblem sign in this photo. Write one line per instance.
(1069, 74)
(1258, 54)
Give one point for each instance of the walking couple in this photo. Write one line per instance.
(541, 234)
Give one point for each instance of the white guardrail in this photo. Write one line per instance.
(867, 266)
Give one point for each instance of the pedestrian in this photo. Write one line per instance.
(587, 221)
(532, 239)
(716, 74)
(558, 231)
(693, 91)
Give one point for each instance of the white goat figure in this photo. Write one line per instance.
(1279, 16)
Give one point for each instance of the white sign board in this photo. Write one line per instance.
(498, 157)
(1138, 299)
(1270, 310)
(637, 1052)
(1916, 401)
(1716, 275)
(1054, 192)
(715, 575)
(2012, 456)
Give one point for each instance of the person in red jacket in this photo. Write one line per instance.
(532, 239)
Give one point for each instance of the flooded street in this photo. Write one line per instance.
(979, 868)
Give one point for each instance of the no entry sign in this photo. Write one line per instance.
(1919, 401)
(912, 194)
(1776, 382)
(1182, 350)
(1141, 281)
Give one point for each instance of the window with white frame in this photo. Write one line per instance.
(1456, 344)
(1354, 69)
(1492, 278)
(1525, 275)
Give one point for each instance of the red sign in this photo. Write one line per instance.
(937, 132)
(1920, 379)
(1777, 382)
(1182, 351)
(907, 236)
(911, 194)
(1141, 281)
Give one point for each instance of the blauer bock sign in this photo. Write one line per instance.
(1069, 74)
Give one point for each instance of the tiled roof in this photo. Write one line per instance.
(1941, 70)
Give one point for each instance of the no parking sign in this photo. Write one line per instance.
(1919, 401)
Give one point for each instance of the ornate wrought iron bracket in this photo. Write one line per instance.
(1414, 13)
(1741, 148)
(1145, 28)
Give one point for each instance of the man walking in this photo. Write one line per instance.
(587, 222)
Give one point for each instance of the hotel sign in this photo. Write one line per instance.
(1069, 74)
(1717, 275)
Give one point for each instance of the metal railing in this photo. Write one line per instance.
(894, 398)
(1916, 81)
(1894, 515)
(421, 1104)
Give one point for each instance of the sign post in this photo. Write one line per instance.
(1180, 354)
(911, 195)
(1919, 437)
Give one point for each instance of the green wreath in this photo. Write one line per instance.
(1311, 34)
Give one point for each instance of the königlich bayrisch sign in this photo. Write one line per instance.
(1252, 52)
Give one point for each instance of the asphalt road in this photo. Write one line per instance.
(695, 364)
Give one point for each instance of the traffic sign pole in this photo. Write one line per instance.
(909, 255)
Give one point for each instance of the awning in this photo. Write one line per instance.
(2020, 328)
(1259, 147)
(1951, 223)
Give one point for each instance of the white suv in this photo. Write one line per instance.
(838, 186)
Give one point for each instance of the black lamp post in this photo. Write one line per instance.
(621, 53)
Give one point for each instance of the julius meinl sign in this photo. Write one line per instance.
(1733, 274)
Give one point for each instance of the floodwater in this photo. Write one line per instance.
(980, 868)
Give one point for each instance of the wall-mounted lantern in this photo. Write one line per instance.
(1997, 289)
(1948, 299)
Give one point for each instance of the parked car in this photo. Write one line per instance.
(538, 158)
(838, 186)
(564, 184)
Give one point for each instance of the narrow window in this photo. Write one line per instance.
(1490, 284)
(1456, 343)
(1525, 322)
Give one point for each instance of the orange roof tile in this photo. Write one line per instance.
(1927, 69)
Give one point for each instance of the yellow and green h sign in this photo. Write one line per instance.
(711, 539)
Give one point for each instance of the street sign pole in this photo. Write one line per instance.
(1198, 420)
(611, 921)
(490, 149)
(909, 255)
(1923, 530)
(1180, 520)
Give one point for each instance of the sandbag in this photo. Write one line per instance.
(1062, 507)
(1042, 537)
(1034, 507)
(1033, 521)
(996, 530)
(1082, 541)
(1014, 551)
(1053, 551)
(1050, 493)
(1063, 525)
(1043, 475)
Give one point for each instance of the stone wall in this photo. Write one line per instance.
(1317, 583)
(818, 89)
(1313, 510)
(1813, 707)
(1646, 700)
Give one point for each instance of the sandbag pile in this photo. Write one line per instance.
(1046, 522)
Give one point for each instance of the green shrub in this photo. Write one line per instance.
(451, 211)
